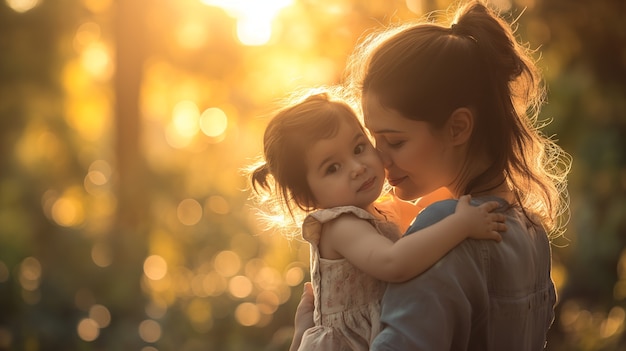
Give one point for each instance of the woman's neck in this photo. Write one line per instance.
(497, 187)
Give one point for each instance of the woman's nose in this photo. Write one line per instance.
(384, 158)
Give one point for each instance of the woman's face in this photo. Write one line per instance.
(417, 159)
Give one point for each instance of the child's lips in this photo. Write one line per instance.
(396, 181)
(368, 184)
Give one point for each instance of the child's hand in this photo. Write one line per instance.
(481, 221)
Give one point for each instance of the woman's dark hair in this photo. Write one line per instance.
(426, 70)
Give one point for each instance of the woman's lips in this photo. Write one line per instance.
(395, 181)
(368, 184)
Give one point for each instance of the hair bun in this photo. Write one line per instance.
(494, 37)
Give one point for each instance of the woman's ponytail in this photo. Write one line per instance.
(509, 63)
(535, 166)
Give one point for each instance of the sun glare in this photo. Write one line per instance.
(254, 18)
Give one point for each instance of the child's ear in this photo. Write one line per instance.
(460, 125)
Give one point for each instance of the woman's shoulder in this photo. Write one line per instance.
(439, 210)
(432, 214)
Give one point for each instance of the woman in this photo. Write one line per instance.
(456, 107)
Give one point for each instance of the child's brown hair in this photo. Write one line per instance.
(282, 173)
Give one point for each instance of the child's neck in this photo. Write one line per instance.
(375, 212)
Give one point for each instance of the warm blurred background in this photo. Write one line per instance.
(124, 219)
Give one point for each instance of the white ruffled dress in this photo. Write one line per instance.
(347, 301)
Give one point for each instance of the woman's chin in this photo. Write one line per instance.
(405, 194)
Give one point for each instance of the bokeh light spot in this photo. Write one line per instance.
(101, 315)
(22, 5)
(101, 255)
(214, 284)
(155, 267)
(267, 302)
(150, 330)
(218, 204)
(97, 6)
(247, 314)
(87, 33)
(185, 118)
(213, 122)
(67, 211)
(189, 212)
(294, 276)
(240, 286)
(30, 273)
(227, 263)
(88, 329)
(254, 31)
(268, 278)
(96, 60)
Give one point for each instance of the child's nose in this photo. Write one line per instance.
(358, 168)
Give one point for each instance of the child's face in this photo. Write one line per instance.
(344, 169)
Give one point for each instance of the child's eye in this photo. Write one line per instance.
(332, 168)
(359, 149)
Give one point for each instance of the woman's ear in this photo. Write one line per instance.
(460, 125)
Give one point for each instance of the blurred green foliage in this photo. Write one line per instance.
(125, 222)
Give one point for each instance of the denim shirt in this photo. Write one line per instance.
(482, 295)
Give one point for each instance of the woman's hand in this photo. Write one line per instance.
(304, 316)
(481, 221)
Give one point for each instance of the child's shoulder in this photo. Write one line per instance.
(329, 214)
(332, 218)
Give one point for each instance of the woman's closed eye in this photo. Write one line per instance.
(394, 144)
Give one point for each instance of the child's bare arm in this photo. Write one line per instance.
(357, 241)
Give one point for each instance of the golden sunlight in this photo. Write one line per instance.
(193, 34)
(254, 18)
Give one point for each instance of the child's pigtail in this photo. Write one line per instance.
(259, 178)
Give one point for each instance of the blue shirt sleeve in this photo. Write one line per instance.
(432, 214)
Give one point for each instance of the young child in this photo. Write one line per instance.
(319, 160)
